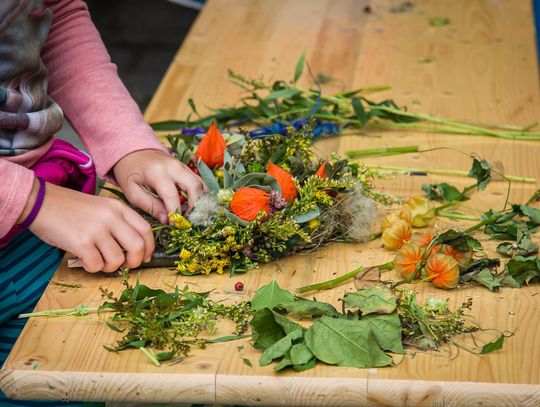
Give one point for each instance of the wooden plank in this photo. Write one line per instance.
(483, 68)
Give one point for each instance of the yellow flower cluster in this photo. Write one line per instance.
(179, 221)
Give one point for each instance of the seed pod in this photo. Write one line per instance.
(407, 258)
(422, 211)
(396, 235)
(211, 149)
(403, 214)
(248, 202)
(463, 258)
(285, 181)
(444, 270)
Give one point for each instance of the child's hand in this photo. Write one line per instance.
(103, 232)
(157, 171)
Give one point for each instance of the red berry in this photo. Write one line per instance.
(239, 286)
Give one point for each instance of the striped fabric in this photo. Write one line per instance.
(26, 266)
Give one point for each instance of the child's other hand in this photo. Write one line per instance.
(158, 171)
(103, 232)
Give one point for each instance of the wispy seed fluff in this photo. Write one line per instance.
(204, 211)
(358, 213)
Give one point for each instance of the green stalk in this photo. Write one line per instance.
(81, 310)
(442, 171)
(150, 356)
(381, 151)
(462, 125)
(456, 216)
(325, 285)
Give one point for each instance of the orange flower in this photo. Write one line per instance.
(423, 239)
(321, 172)
(248, 202)
(407, 258)
(463, 258)
(285, 181)
(422, 211)
(403, 214)
(396, 235)
(211, 148)
(444, 270)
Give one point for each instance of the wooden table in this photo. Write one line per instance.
(482, 67)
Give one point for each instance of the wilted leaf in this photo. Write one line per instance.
(270, 296)
(378, 300)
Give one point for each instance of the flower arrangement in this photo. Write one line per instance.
(266, 198)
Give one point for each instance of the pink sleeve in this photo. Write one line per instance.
(17, 182)
(84, 82)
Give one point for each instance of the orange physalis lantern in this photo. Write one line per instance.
(211, 148)
(463, 258)
(396, 235)
(407, 258)
(285, 181)
(321, 172)
(444, 271)
(248, 202)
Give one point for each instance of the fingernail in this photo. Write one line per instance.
(163, 219)
(147, 260)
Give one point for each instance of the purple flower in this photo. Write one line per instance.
(277, 202)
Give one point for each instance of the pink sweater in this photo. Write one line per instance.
(84, 83)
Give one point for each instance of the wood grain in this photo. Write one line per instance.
(482, 68)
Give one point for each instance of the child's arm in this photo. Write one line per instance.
(84, 82)
(17, 182)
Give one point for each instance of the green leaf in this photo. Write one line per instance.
(168, 125)
(191, 103)
(487, 279)
(532, 213)
(270, 296)
(300, 354)
(299, 67)
(378, 300)
(523, 247)
(285, 362)
(307, 216)
(345, 343)
(481, 171)
(458, 241)
(286, 93)
(387, 331)
(208, 176)
(443, 192)
(235, 218)
(439, 21)
(359, 111)
(493, 346)
(265, 330)
(114, 327)
(227, 338)
(247, 362)
(257, 179)
(163, 356)
(521, 270)
(306, 308)
(279, 348)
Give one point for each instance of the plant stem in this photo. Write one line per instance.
(81, 310)
(462, 125)
(441, 171)
(325, 285)
(381, 151)
(456, 215)
(150, 356)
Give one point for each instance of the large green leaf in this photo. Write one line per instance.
(270, 296)
(387, 331)
(299, 67)
(265, 330)
(379, 300)
(345, 343)
(280, 348)
(306, 308)
(257, 179)
(208, 176)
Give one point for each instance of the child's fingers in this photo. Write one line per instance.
(132, 242)
(112, 253)
(167, 191)
(192, 184)
(148, 203)
(145, 231)
(91, 258)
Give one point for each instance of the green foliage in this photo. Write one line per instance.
(444, 192)
(481, 171)
(168, 321)
(379, 300)
(270, 296)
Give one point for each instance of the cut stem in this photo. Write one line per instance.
(440, 171)
(325, 285)
(150, 356)
(381, 151)
(81, 310)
